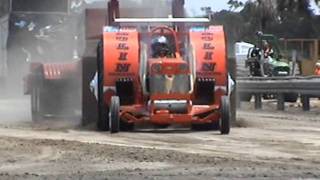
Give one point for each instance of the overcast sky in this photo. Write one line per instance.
(194, 6)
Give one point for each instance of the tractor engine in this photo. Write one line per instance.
(169, 79)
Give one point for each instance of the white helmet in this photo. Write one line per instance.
(160, 40)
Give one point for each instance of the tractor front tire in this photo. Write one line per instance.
(225, 115)
(114, 115)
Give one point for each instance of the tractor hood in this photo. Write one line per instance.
(277, 63)
(279, 68)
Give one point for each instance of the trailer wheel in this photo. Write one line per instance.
(114, 115)
(225, 115)
(103, 118)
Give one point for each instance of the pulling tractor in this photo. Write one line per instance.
(183, 81)
(161, 71)
(185, 85)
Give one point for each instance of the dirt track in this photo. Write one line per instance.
(268, 145)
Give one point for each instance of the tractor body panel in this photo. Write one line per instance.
(180, 88)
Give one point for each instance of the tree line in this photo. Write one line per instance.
(284, 18)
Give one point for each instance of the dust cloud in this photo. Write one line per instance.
(42, 31)
(56, 36)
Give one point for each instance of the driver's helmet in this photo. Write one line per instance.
(259, 33)
(160, 46)
(318, 65)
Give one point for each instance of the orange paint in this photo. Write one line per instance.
(122, 60)
(211, 57)
(121, 56)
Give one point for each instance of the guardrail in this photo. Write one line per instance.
(306, 87)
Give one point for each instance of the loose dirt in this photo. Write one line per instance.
(265, 145)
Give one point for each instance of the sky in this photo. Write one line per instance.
(194, 6)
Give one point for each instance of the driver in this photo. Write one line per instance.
(317, 71)
(161, 48)
(267, 48)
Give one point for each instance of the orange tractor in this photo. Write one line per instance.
(163, 76)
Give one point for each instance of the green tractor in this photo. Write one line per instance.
(265, 60)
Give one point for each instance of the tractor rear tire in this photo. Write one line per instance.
(103, 117)
(114, 115)
(225, 115)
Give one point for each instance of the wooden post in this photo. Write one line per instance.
(258, 101)
(305, 99)
(280, 103)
